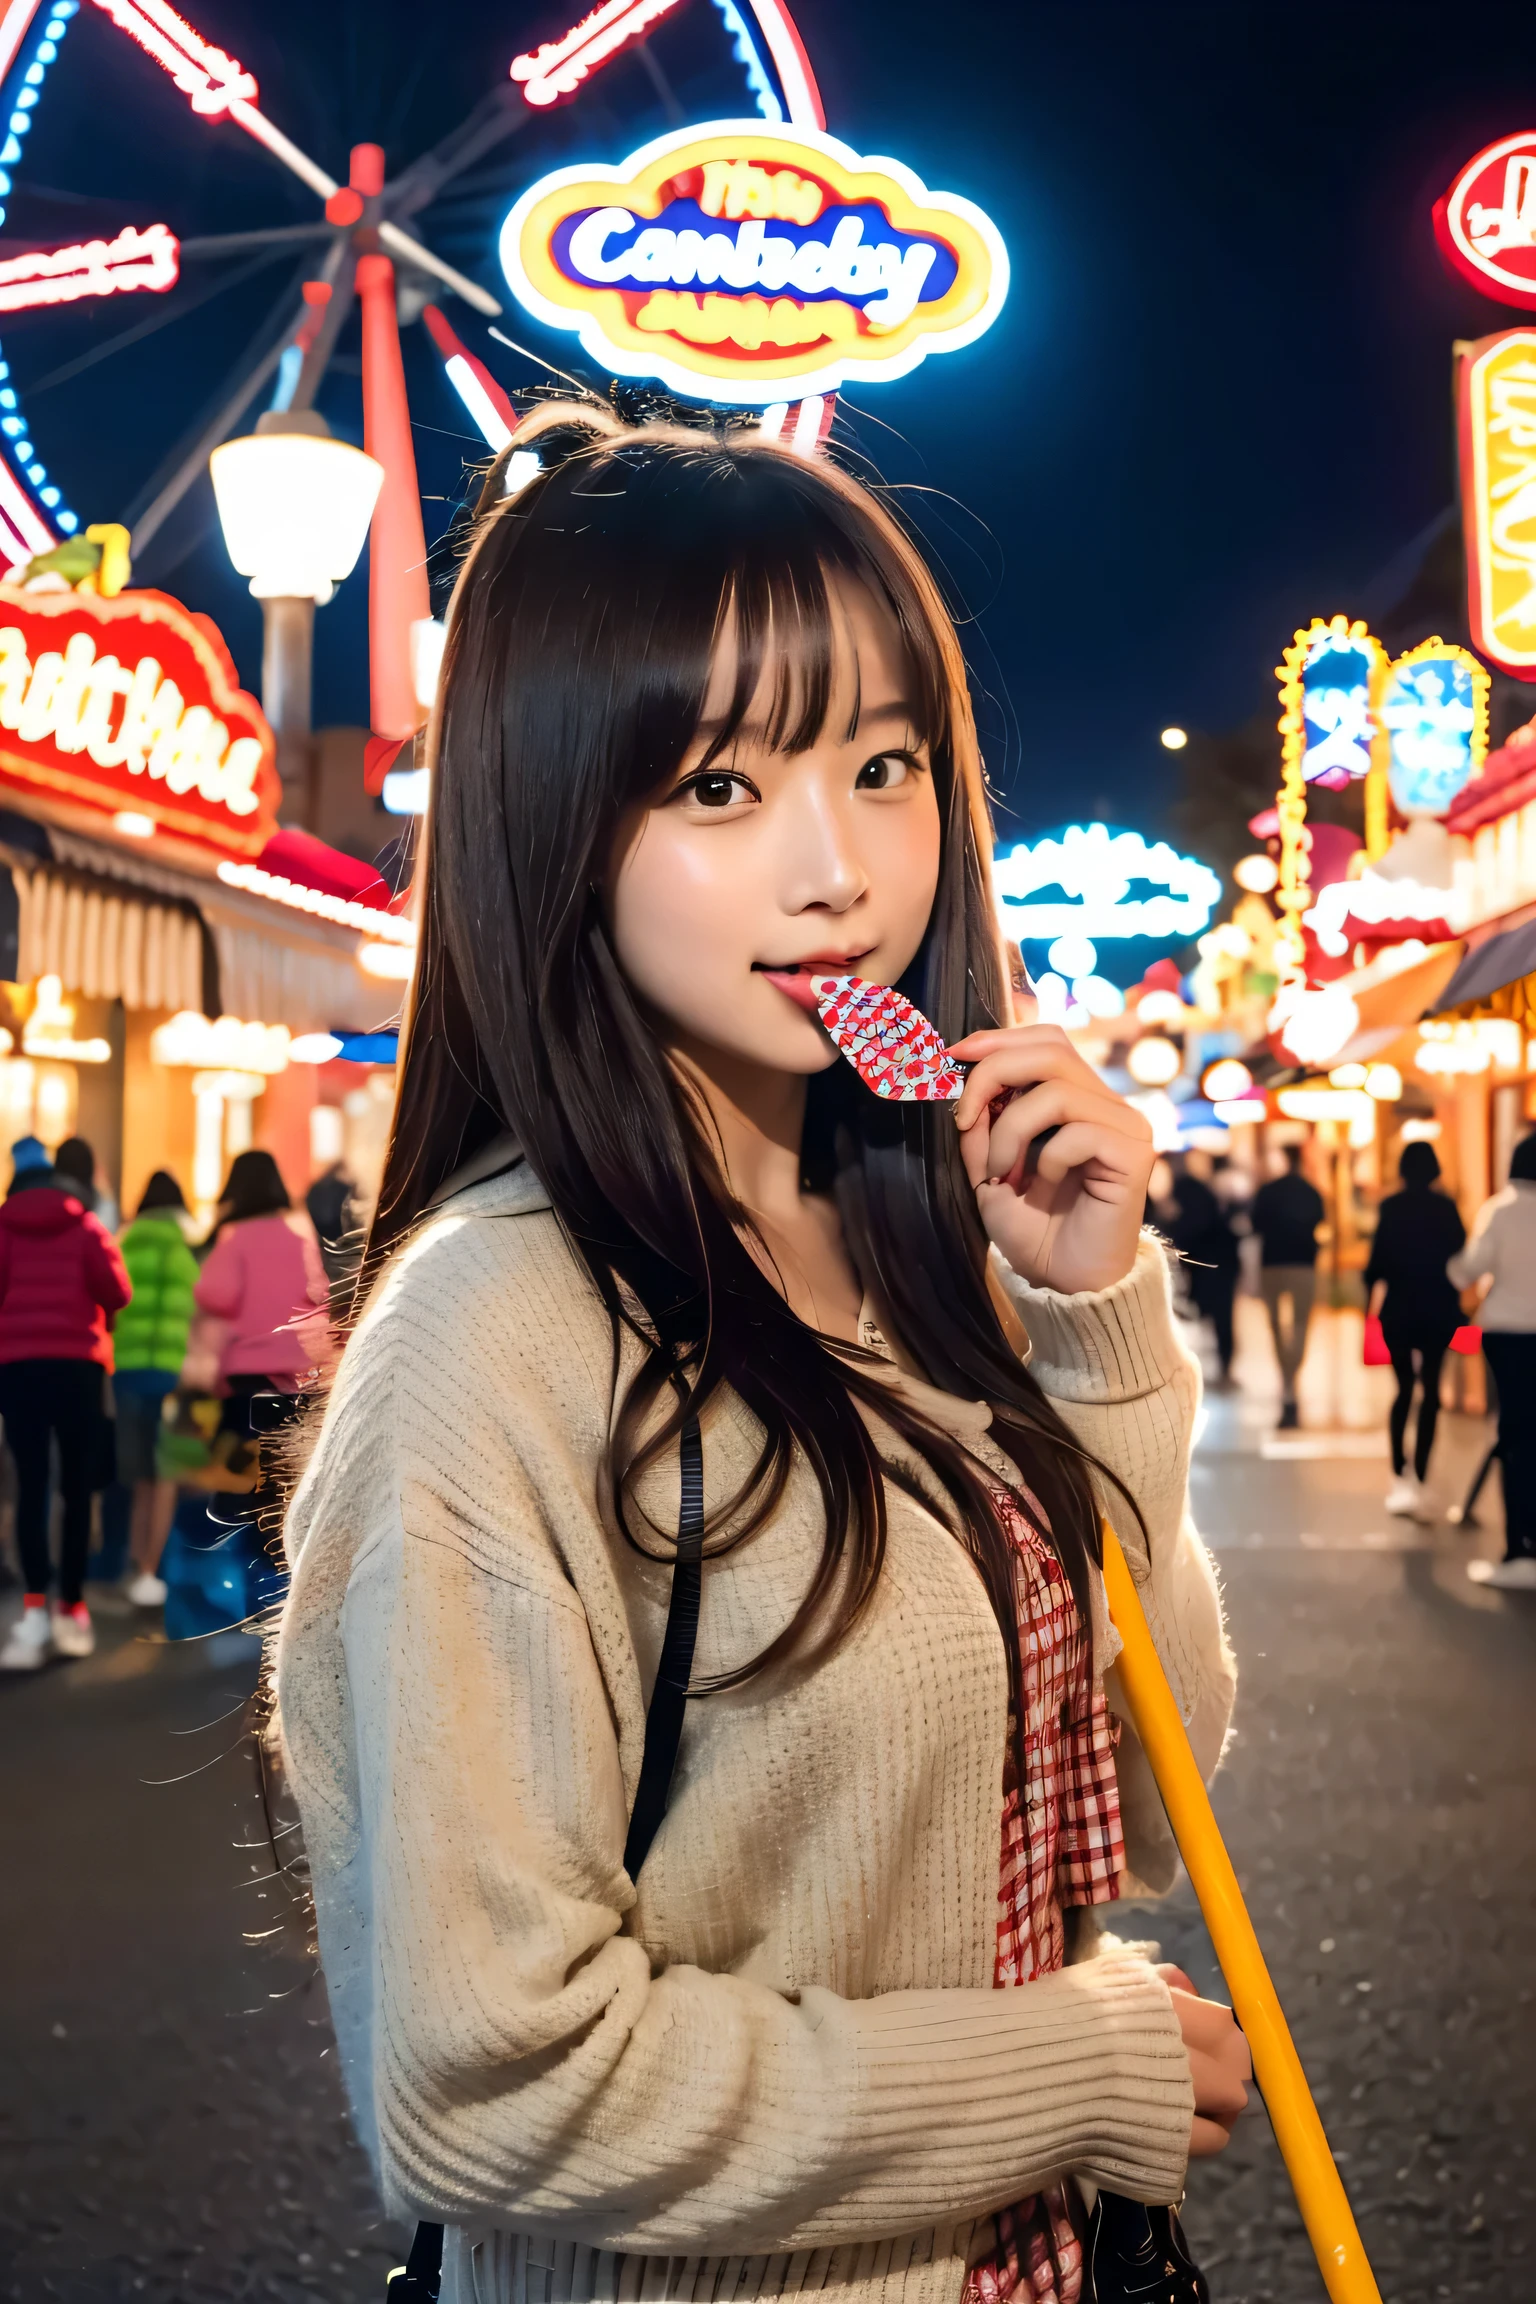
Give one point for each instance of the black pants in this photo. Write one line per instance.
(1512, 1357)
(39, 1398)
(1430, 1346)
(1212, 1294)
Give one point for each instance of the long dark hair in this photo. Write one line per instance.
(580, 641)
(253, 1187)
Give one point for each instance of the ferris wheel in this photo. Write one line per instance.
(150, 189)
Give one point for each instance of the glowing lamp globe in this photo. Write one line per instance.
(1256, 874)
(294, 505)
(1153, 1062)
(1226, 1081)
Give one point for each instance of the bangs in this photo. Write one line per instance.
(793, 637)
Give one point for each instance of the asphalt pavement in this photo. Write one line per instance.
(170, 2119)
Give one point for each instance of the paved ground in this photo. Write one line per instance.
(169, 2118)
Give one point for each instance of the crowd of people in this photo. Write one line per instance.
(108, 1337)
(1427, 1287)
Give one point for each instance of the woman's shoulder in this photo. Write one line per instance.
(489, 1271)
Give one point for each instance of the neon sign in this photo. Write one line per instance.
(1326, 681)
(1486, 224)
(135, 259)
(1433, 717)
(754, 263)
(551, 73)
(1498, 494)
(1094, 869)
(134, 700)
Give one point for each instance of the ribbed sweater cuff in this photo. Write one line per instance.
(1117, 1344)
(1083, 2070)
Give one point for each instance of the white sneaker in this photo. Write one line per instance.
(1408, 1498)
(1518, 1575)
(73, 1632)
(147, 1591)
(30, 1643)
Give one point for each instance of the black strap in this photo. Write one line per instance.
(664, 1719)
(417, 2281)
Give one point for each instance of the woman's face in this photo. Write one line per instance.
(745, 878)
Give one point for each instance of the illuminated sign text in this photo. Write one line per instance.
(134, 700)
(1498, 496)
(754, 263)
(1079, 882)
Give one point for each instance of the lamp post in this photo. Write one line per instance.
(294, 505)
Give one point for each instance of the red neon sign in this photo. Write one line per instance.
(133, 704)
(552, 73)
(1486, 223)
(135, 259)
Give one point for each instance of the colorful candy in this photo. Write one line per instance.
(890, 1044)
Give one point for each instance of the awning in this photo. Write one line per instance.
(1490, 968)
(106, 944)
(272, 964)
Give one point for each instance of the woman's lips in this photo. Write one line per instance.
(795, 983)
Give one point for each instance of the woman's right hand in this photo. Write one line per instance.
(1219, 2063)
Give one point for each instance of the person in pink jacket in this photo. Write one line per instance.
(264, 1284)
(263, 1279)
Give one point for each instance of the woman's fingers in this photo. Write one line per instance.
(1015, 1059)
(1126, 1158)
(1220, 2066)
(997, 1151)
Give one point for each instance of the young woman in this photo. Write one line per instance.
(151, 1341)
(1418, 1231)
(1500, 1258)
(705, 732)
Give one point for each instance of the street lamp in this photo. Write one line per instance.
(294, 505)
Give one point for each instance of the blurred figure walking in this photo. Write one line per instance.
(264, 1279)
(1418, 1231)
(76, 1168)
(1286, 1213)
(1502, 1251)
(1202, 1233)
(61, 1282)
(151, 1343)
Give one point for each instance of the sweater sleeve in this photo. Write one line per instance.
(1114, 1367)
(1479, 1258)
(510, 2053)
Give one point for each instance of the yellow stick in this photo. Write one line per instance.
(1298, 2131)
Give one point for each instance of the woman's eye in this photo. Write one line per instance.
(884, 773)
(717, 789)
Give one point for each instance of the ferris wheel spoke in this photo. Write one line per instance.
(339, 276)
(153, 322)
(216, 244)
(188, 460)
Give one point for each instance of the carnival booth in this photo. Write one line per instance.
(180, 976)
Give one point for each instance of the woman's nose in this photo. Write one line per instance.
(822, 864)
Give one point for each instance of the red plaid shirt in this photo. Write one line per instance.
(1062, 1845)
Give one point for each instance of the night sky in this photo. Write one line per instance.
(1217, 403)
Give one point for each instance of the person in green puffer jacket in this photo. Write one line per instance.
(150, 1341)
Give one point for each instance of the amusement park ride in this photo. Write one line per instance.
(749, 261)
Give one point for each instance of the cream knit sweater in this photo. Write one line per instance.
(782, 2066)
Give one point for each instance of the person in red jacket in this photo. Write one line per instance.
(61, 1281)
